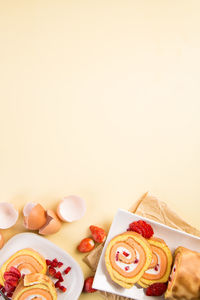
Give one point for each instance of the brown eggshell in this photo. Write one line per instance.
(1, 241)
(36, 218)
(52, 225)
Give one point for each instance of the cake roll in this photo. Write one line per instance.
(160, 267)
(35, 286)
(26, 261)
(184, 282)
(127, 257)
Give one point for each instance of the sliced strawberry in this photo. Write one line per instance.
(86, 245)
(12, 282)
(63, 288)
(48, 262)
(15, 271)
(9, 288)
(10, 275)
(52, 271)
(60, 264)
(57, 275)
(57, 284)
(61, 278)
(88, 285)
(98, 234)
(67, 270)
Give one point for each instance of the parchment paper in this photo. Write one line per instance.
(150, 207)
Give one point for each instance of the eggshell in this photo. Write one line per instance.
(8, 215)
(52, 225)
(1, 241)
(34, 216)
(71, 208)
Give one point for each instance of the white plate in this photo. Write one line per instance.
(172, 237)
(73, 280)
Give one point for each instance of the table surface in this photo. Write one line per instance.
(99, 99)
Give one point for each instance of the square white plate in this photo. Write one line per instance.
(172, 237)
(73, 280)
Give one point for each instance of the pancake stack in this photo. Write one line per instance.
(130, 259)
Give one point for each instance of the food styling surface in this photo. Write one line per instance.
(99, 99)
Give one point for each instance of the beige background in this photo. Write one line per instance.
(100, 99)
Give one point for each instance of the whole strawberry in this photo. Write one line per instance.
(88, 285)
(98, 234)
(86, 245)
(156, 289)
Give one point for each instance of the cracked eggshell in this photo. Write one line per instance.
(1, 241)
(71, 208)
(8, 215)
(52, 225)
(34, 216)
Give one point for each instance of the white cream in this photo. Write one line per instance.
(122, 265)
(152, 270)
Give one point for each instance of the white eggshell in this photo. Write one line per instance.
(71, 208)
(8, 215)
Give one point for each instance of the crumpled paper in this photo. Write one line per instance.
(150, 207)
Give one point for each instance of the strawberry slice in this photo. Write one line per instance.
(15, 271)
(9, 288)
(62, 288)
(98, 234)
(86, 245)
(67, 270)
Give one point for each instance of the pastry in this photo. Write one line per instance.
(35, 286)
(184, 282)
(127, 257)
(26, 261)
(160, 267)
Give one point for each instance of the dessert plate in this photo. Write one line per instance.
(172, 237)
(73, 281)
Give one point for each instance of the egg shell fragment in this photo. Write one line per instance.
(1, 241)
(52, 225)
(8, 215)
(34, 216)
(71, 208)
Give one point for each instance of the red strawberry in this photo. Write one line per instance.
(142, 228)
(156, 289)
(60, 264)
(15, 271)
(67, 270)
(57, 284)
(57, 275)
(62, 288)
(10, 275)
(86, 245)
(61, 278)
(9, 288)
(88, 285)
(12, 282)
(52, 271)
(48, 262)
(98, 234)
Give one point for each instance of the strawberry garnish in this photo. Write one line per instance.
(86, 245)
(98, 234)
(88, 285)
(156, 289)
(67, 270)
(142, 228)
